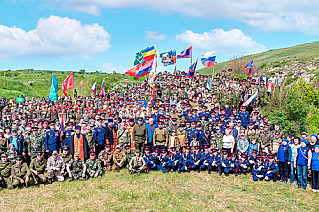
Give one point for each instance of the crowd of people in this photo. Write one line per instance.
(192, 124)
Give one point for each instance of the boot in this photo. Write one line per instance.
(118, 169)
(37, 185)
(209, 172)
(50, 181)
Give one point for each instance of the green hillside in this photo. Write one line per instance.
(274, 58)
(33, 83)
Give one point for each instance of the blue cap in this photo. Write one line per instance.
(109, 120)
(286, 140)
(317, 145)
(77, 127)
(313, 135)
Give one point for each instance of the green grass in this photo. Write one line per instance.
(33, 83)
(162, 192)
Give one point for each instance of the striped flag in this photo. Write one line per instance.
(102, 91)
(94, 87)
(251, 99)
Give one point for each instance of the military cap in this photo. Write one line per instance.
(54, 152)
(127, 146)
(187, 147)
(173, 148)
(92, 153)
(110, 121)
(214, 150)
(243, 155)
(19, 158)
(107, 145)
(4, 155)
(259, 158)
(66, 148)
(233, 154)
(35, 128)
(139, 119)
(118, 146)
(77, 127)
(137, 151)
(225, 152)
(255, 151)
(147, 148)
(76, 154)
(163, 150)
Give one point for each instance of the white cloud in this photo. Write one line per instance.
(271, 15)
(54, 36)
(222, 41)
(153, 35)
(110, 68)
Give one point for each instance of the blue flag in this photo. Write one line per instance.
(53, 96)
(191, 70)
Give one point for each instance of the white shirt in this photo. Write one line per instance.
(228, 141)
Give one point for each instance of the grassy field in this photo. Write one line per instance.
(33, 83)
(161, 192)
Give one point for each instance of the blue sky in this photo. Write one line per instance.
(105, 35)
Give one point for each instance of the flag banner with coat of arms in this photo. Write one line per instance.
(168, 58)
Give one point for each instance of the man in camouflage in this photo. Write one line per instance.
(76, 168)
(20, 173)
(38, 167)
(119, 159)
(93, 166)
(106, 157)
(5, 172)
(36, 143)
(137, 164)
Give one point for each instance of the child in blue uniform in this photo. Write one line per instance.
(272, 169)
(243, 164)
(258, 170)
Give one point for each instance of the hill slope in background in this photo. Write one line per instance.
(275, 58)
(33, 83)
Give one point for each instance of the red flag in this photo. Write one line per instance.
(68, 84)
(133, 71)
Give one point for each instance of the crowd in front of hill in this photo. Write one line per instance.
(190, 124)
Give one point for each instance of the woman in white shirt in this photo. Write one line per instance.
(228, 142)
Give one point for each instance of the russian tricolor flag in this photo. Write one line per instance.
(94, 87)
(208, 59)
(251, 99)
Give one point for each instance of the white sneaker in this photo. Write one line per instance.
(314, 190)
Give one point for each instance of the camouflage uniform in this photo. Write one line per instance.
(123, 137)
(19, 172)
(76, 168)
(93, 165)
(129, 157)
(118, 157)
(5, 173)
(90, 140)
(40, 167)
(106, 159)
(137, 163)
(36, 144)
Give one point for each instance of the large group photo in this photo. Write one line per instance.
(159, 105)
